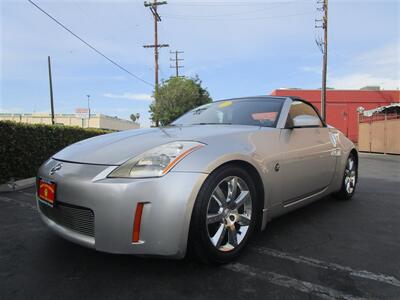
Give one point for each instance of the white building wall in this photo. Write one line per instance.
(95, 121)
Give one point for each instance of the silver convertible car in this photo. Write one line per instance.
(203, 184)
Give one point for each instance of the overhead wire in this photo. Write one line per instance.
(220, 3)
(217, 17)
(188, 18)
(274, 5)
(89, 45)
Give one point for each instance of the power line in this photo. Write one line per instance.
(89, 45)
(210, 3)
(182, 17)
(274, 5)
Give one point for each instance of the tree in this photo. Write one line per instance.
(135, 117)
(176, 96)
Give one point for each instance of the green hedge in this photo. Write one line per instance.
(24, 147)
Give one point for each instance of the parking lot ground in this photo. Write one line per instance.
(330, 249)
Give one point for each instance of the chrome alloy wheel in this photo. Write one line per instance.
(229, 213)
(350, 175)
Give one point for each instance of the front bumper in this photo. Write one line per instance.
(166, 214)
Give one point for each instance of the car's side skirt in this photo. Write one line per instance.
(308, 196)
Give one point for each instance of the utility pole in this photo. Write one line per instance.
(88, 105)
(323, 45)
(153, 8)
(51, 91)
(176, 60)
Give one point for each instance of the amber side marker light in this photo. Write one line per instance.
(180, 157)
(136, 222)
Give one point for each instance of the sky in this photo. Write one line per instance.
(237, 48)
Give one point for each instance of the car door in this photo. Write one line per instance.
(307, 163)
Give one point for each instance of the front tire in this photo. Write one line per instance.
(350, 177)
(224, 215)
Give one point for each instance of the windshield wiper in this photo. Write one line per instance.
(211, 123)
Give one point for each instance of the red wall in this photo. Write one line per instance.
(341, 107)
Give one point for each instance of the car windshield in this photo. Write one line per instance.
(263, 112)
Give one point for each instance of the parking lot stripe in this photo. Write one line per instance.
(289, 282)
(330, 266)
(20, 203)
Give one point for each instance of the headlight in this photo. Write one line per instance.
(157, 161)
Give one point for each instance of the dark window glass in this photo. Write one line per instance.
(242, 112)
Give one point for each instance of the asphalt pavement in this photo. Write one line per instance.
(328, 250)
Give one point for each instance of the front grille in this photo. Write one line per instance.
(76, 218)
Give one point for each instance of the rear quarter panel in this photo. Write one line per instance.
(345, 146)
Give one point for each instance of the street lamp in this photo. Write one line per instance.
(88, 105)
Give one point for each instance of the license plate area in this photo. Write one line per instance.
(47, 191)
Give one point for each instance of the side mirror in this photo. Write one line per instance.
(306, 121)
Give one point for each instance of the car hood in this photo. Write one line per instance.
(116, 148)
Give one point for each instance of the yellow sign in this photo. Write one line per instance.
(225, 104)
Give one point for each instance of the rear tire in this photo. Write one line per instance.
(350, 177)
(224, 216)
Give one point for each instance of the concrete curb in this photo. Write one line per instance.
(17, 185)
